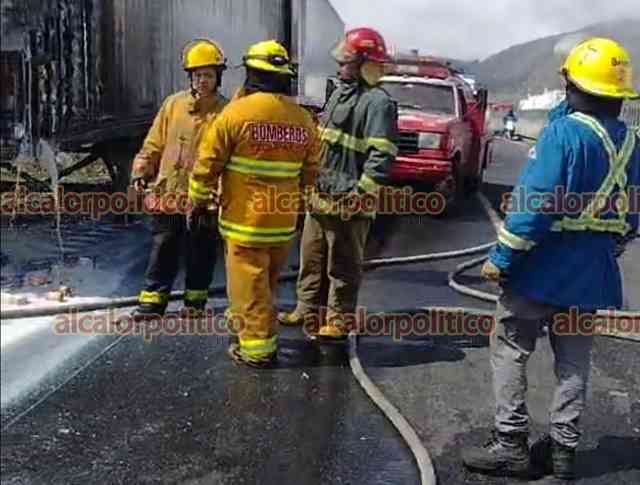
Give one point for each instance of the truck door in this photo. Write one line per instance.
(466, 133)
(476, 115)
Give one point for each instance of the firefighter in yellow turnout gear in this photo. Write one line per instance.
(163, 165)
(265, 149)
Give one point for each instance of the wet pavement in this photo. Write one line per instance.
(178, 411)
(450, 399)
(121, 411)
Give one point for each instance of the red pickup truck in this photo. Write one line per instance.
(441, 127)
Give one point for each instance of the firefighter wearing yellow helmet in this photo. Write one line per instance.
(556, 257)
(264, 149)
(162, 169)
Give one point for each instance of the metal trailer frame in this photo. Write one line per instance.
(96, 71)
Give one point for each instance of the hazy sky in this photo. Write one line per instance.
(470, 29)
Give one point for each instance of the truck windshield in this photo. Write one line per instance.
(425, 97)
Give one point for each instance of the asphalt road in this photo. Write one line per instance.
(176, 410)
(449, 398)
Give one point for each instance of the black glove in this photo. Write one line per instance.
(139, 183)
(200, 218)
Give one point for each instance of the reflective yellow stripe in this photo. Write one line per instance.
(369, 185)
(514, 242)
(153, 297)
(244, 233)
(266, 168)
(383, 145)
(196, 295)
(199, 191)
(259, 348)
(600, 131)
(598, 225)
(618, 162)
(338, 137)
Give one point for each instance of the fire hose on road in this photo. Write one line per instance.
(421, 455)
(123, 302)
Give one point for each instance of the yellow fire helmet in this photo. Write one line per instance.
(601, 67)
(269, 56)
(202, 53)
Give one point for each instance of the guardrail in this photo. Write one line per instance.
(631, 113)
(531, 122)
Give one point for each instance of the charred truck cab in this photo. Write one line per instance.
(441, 126)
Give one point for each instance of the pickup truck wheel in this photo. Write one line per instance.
(473, 184)
(456, 192)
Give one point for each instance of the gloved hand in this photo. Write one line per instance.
(196, 217)
(492, 273)
(622, 242)
(139, 184)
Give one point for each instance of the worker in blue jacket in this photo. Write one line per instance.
(573, 210)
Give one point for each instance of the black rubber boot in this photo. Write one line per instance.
(505, 455)
(553, 458)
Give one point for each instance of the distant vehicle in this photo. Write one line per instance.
(441, 126)
(510, 120)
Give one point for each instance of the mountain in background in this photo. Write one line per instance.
(532, 67)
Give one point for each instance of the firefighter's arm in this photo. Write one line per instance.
(532, 209)
(147, 161)
(379, 137)
(312, 160)
(214, 152)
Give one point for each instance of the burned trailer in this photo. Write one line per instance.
(89, 75)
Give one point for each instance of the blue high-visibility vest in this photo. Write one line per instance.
(578, 193)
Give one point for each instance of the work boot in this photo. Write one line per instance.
(240, 358)
(502, 455)
(148, 311)
(193, 310)
(332, 332)
(293, 319)
(553, 458)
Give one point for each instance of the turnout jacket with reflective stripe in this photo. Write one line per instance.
(265, 148)
(577, 196)
(170, 148)
(359, 127)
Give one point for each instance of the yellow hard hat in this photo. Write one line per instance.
(601, 67)
(202, 53)
(269, 56)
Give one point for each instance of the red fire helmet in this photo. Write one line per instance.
(361, 44)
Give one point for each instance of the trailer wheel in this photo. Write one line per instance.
(118, 156)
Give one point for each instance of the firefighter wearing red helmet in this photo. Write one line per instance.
(358, 129)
